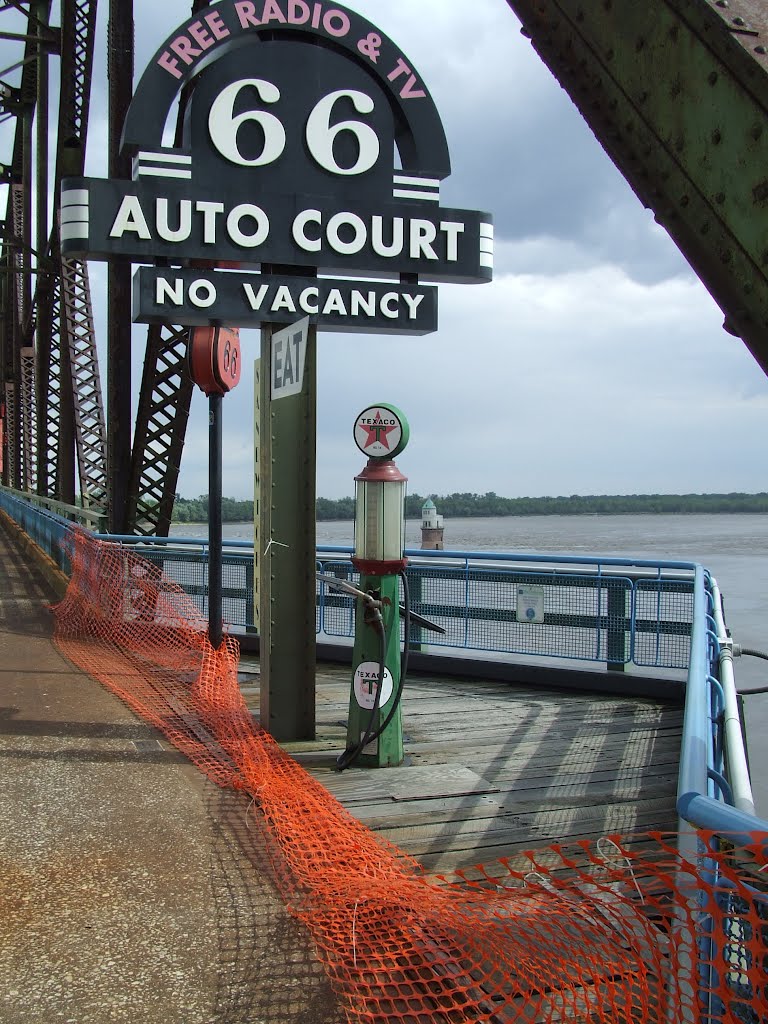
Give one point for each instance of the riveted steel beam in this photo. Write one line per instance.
(11, 468)
(161, 423)
(676, 92)
(72, 401)
(90, 430)
(120, 51)
(27, 415)
(162, 414)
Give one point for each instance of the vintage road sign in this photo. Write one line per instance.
(289, 352)
(311, 142)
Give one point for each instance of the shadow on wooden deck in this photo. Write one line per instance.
(493, 769)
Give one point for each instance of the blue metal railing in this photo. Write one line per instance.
(608, 610)
(603, 609)
(48, 529)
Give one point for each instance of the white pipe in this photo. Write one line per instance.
(736, 756)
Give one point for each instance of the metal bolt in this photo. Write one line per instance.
(739, 21)
(722, 3)
(760, 49)
(712, 77)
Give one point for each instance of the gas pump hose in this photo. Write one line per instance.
(351, 754)
(738, 650)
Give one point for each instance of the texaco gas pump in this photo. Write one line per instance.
(374, 729)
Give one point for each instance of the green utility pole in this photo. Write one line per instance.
(286, 535)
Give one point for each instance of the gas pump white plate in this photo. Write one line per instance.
(379, 432)
(366, 684)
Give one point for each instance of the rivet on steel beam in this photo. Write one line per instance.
(720, 198)
(712, 77)
(717, 138)
(723, 3)
(760, 49)
(740, 22)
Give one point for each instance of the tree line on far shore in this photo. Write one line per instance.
(466, 505)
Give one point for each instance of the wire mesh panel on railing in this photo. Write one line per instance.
(614, 931)
(189, 569)
(336, 615)
(552, 614)
(663, 617)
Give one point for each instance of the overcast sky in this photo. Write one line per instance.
(595, 362)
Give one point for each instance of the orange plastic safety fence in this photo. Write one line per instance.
(622, 930)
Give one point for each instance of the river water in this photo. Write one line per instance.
(733, 547)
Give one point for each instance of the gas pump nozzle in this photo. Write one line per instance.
(371, 602)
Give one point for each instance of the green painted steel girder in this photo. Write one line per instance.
(676, 92)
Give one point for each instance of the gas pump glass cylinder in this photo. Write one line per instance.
(380, 518)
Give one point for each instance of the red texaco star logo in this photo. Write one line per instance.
(377, 431)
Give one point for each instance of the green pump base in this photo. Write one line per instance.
(387, 749)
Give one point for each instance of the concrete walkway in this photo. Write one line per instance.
(131, 888)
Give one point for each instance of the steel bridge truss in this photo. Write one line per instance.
(54, 418)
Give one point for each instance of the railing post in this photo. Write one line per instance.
(415, 590)
(616, 632)
(250, 603)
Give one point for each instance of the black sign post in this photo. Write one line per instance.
(215, 365)
(215, 625)
(310, 165)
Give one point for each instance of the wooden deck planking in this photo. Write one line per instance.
(494, 769)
